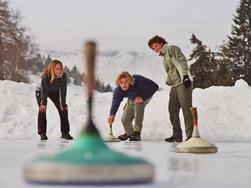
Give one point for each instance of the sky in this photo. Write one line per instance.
(127, 24)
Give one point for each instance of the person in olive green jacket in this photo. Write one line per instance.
(178, 77)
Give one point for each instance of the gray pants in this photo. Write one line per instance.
(181, 97)
(136, 112)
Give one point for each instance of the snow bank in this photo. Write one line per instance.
(224, 113)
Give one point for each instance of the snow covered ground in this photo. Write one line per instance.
(224, 119)
(224, 113)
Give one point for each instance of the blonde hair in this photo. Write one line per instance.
(125, 74)
(49, 71)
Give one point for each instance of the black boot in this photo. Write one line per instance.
(135, 137)
(173, 139)
(43, 137)
(124, 137)
(188, 138)
(66, 136)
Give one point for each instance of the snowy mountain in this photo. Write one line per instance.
(224, 113)
(110, 63)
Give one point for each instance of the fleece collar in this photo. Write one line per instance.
(163, 50)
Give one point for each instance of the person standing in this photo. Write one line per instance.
(139, 91)
(178, 77)
(54, 86)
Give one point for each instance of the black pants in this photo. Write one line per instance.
(42, 122)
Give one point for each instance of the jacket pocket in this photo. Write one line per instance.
(168, 80)
(173, 78)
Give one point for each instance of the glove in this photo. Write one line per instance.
(186, 81)
(65, 107)
(38, 96)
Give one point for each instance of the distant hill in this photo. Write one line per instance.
(110, 63)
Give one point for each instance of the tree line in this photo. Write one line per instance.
(38, 63)
(15, 45)
(19, 55)
(232, 61)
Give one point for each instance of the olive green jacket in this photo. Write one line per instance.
(175, 64)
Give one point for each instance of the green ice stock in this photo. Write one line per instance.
(90, 149)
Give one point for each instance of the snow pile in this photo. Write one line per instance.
(224, 113)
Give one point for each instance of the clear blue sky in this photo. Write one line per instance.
(125, 24)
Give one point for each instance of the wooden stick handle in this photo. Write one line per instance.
(195, 116)
(90, 51)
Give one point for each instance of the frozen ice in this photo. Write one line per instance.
(228, 168)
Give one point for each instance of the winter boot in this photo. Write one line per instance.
(43, 137)
(66, 136)
(135, 137)
(188, 138)
(124, 137)
(173, 139)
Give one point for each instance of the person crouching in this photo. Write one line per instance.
(139, 91)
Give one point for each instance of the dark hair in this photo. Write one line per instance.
(156, 39)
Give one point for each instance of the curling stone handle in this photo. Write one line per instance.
(195, 116)
(90, 51)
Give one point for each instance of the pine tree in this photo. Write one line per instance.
(5, 41)
(68, 72)
(77, 78)
(108, 88)
(35, 60)
(14, 45)
(239, 43)
(226, 75)
(47, 61)
(200, 69)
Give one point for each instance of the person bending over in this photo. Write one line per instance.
(53, 85)
(139, 91)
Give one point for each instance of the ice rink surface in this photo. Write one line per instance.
(229, 168)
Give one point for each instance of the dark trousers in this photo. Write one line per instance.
(64, 122)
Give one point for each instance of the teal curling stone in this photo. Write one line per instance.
(89, 161)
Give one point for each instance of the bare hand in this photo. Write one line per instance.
(138, 100)
(42, 108)
(110, 119)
